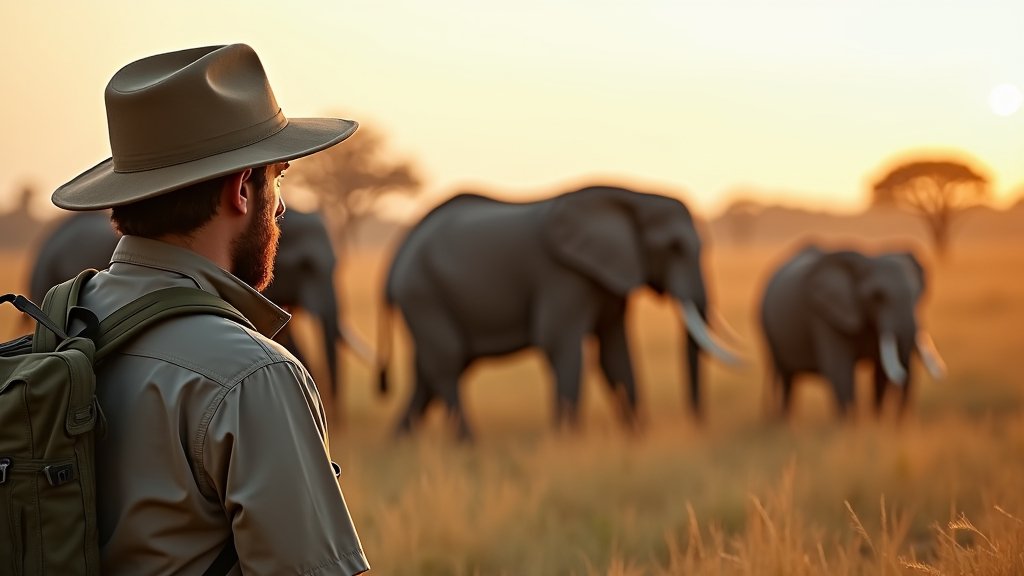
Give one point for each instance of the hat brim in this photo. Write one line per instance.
(100, 187)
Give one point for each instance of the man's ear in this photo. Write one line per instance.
(236, 194)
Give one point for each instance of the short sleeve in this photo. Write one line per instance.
(266, 456)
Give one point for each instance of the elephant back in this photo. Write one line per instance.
(782, 302)
(426, 234)
(80, 241)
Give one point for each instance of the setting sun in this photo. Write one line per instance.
(1005, 99)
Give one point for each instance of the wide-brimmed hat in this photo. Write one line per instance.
(183, 117)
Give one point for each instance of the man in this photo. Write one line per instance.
(215, 434)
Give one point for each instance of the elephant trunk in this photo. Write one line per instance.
(383, 345)
(692, 353)
(700, 337)
(891, 364)
(329, 324)
(321, 303)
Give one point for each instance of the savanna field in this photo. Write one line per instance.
(941, 492)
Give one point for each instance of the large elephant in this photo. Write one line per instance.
(303, 272)
(825, 311)
(478, 277)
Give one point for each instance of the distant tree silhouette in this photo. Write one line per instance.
(18, 226)
(24, 207)
(938, 190)
(350, 178)
(739, 219)
(1020, 199)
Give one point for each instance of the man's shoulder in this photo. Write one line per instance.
(216, 347)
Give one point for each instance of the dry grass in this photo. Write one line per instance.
(936, 494)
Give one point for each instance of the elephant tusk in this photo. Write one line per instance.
(720, 324)
(358, 345)
(930, 356)
(698, 329)
(894, 371)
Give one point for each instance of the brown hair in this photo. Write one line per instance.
(179, 212)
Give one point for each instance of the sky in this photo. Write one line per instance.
(792, 101)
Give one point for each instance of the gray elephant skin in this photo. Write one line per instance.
(303, 271)
(478, 277)
(82, 240)
(823, 312)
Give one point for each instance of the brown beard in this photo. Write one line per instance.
(253, 253)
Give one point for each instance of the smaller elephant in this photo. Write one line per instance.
(825, 311)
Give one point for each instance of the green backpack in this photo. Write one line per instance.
(50, 419)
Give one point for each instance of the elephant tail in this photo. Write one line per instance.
(383, 345)
(773, 386)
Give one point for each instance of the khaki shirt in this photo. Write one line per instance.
(214, 431)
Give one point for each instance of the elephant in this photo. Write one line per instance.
(824, 311)
(303, 272)
(478, 277)
(83, 240)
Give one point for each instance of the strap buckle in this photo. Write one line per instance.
(57, 474)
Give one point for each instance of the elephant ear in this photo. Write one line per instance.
(832, 290)
(594, 234)
(915, 273)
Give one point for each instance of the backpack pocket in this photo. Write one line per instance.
(45, 515)
(47, 493)
(10, 544)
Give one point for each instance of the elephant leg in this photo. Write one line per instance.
(456, 415)
(566, 361)
(881, 386)
(618, 367)
(905, 392)
(422, 395)
(430, 385)
(836, 362)
(562, 318)
(440, 360)
(771, 399)
(841, 375)
(786, 384)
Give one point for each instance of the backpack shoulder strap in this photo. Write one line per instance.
(56, 304)
(156, 306)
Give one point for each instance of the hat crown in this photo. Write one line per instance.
(181, 106)
(184, 117)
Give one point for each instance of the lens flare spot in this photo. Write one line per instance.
(1005, 99)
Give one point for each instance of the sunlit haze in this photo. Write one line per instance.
(792, 101)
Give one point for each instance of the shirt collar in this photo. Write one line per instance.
(267, 317)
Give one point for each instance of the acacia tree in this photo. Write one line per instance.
(740, 218)
(938, 190)
(348, 180)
